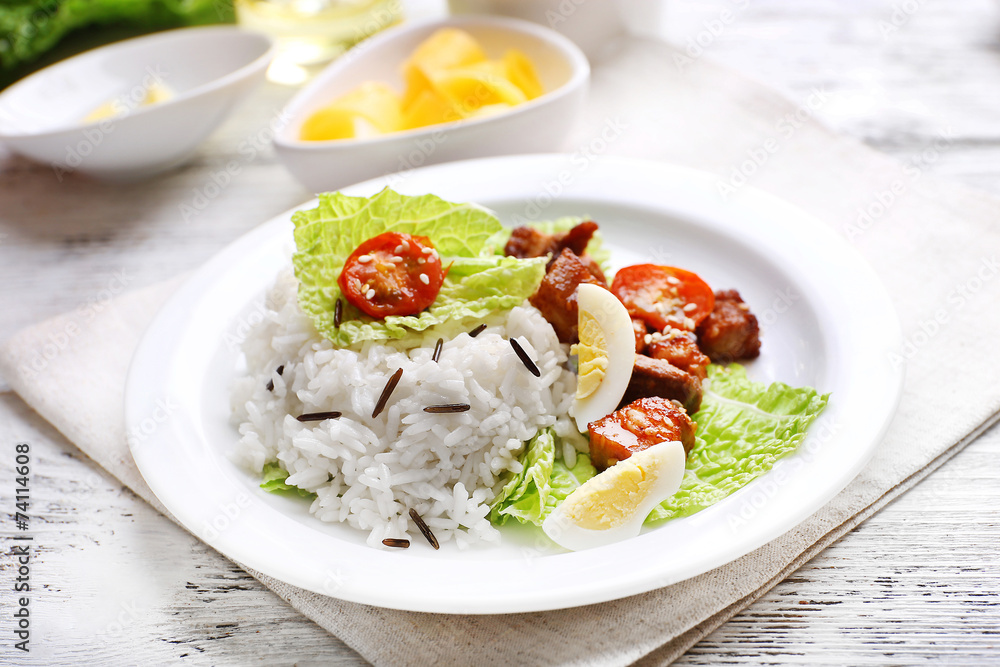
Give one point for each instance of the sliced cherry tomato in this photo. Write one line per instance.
(662, 296)
(392, 274)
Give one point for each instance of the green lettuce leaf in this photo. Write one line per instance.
(543, 483)
(478, 281)
(744, 427)
(525, 495)
(274, 477)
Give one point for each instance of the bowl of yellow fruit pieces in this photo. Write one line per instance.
(432, 92)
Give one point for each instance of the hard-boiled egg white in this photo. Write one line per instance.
(612, 506)
(605, 354)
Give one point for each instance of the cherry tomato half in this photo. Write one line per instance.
(662, 296)
(392, 274)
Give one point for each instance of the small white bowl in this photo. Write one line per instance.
(208, 70)
(537, 126)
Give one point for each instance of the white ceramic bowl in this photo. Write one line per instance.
(537, 126)
(208, 70)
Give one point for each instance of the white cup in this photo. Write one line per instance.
(592, 24)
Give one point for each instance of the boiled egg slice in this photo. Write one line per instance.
(612, 506)
(605, 354)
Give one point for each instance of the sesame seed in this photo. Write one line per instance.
(402, 247)
(396, 259)
(424, 279)
(673, 281)
(421, 260)
(743, 306)
(364, 259)
(427, 250)
(689, 323)
(689, 307)
(370, 294)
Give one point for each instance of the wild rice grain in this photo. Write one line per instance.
(447, 408)
(437, 350)
(318, 416)
(478, 330)
(424, 528)
(525, 359)
(338, 313)
(384, 398)
(396, 542)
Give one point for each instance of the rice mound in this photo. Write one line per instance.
(370, 472)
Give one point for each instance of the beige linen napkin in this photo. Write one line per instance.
(932, 243)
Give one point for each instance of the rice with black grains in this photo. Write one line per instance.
(369, 472)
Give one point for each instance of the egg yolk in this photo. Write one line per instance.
(613, 500)
(592, 355)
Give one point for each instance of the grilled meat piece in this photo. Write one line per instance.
(592, 266)
(681, 352)
(730, 332)
(639, 327)
(529, 242)
(638, 426)
(658, 377)
(556, 295)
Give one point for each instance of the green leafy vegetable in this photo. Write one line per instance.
(30, 28)
(744, 427)
(274, 477)
(478, 281)
(542, 484)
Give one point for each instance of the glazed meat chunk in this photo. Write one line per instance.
(659, 378)
(640, 330)
(556, 295)
(638, 426)
(730, 332)
(681, 352)
(529, 242)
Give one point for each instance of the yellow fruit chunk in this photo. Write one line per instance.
(447, 48)
(521, 72)
(416, 83)
(478, 85)
(375, 103)
(156, 93)
(429, 108)
(448, 77)
(326, 124)
(592, 355)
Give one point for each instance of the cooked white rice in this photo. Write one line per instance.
(370, 472)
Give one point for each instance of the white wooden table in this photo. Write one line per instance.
(117, 583)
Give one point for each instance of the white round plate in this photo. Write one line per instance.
(826, 322)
